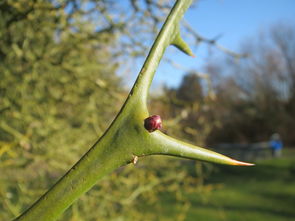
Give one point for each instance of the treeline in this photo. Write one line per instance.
(240, 100)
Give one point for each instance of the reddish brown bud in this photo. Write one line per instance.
(153, 123)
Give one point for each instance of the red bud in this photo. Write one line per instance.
(153, 123)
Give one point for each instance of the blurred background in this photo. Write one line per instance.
(66, 67)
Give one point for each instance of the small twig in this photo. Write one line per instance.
(200, 39)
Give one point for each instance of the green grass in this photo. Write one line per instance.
(263, 192)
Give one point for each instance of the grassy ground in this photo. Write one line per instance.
(263, 192)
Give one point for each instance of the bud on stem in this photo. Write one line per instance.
(153, 123)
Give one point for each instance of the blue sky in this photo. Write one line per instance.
(235, 20)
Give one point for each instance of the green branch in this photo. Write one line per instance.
(126, 138)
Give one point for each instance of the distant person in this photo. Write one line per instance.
(276, 145)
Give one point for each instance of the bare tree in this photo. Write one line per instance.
(256, 94)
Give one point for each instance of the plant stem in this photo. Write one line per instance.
(99, 161)
(167, 36)
(116, 147)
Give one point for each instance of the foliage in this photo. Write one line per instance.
(56, 84)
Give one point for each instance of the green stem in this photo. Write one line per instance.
(109, 152)
(99, 161)
(166, 37)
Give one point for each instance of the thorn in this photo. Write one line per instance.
(182, 45)
(240, 163)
